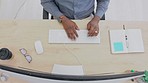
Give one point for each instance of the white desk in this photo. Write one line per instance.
(95, 58)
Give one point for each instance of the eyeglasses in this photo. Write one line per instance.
(24, 52)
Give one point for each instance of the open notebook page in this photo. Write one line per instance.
(117, 41)
(135, 40)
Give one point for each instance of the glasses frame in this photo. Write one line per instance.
(24, 53)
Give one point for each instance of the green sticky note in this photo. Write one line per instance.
(118, 46)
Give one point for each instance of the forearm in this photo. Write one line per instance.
(51, 7)
(102, 6)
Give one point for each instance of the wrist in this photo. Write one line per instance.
(63, 19)
(96, 19)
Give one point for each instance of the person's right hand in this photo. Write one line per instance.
(70, 27)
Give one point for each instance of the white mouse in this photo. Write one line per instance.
(38, 47)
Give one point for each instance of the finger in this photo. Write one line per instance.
(68, 31)
(76, 27)
(97, 29)
(88, 26)
(75, 32)
(90, 31)
(68, 34)
(94, 32)
(72, 35)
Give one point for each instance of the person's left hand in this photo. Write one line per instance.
(93, 26)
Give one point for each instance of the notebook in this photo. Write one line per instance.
(126, 41)
(60, 36)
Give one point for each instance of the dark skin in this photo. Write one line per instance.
(70, 27)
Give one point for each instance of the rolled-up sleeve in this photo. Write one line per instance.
(51, 7)
(102, 6)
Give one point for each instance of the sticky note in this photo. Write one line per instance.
(118, 46)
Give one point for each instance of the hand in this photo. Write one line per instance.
(93, 26)
(70, 28)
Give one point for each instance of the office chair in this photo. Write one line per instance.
(46, 15)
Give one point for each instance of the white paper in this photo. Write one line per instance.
(60, 36)
(135, 40)
(67, 70)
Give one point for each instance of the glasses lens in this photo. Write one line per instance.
(23, 51)
(29, 58)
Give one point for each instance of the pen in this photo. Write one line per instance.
(126, 37)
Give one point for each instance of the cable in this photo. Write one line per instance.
(72, 54)
(20, 9)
